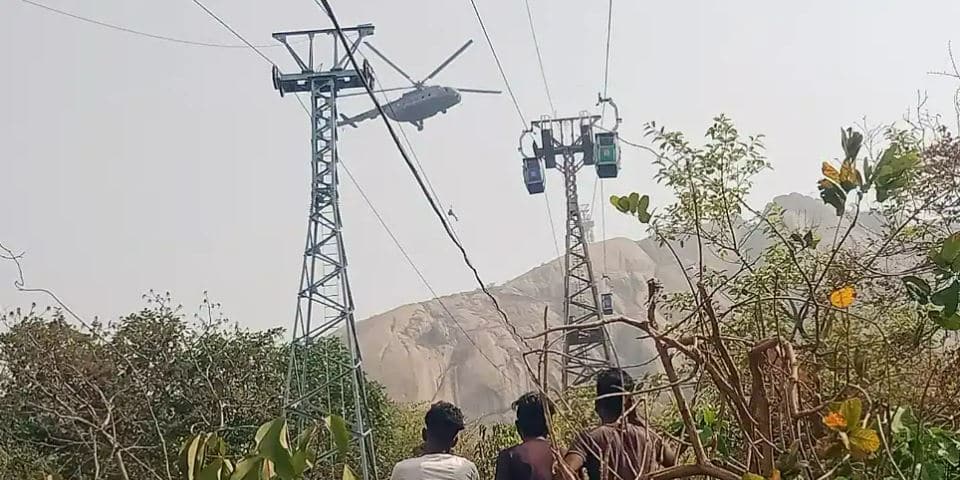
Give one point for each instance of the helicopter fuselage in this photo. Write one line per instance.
(422, 103)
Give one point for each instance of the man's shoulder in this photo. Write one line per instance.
(414, 465)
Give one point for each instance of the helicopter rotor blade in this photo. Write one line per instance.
(476, 90)
(447, 61)
(375, 91)
(385, 59)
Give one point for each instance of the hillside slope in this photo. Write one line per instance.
(420, 354)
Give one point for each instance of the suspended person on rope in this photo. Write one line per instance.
(532, 459)
(443, 421)
(451, 214)
(622, 446)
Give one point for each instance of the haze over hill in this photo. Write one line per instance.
(420, 354)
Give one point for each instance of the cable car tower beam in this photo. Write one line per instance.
(585, 351)
(572, 139)
(319, 383)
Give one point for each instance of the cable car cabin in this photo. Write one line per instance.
(607, 154)
(533, 175)
(606, 303)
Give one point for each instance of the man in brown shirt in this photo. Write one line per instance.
(622, 447)
(532, 459)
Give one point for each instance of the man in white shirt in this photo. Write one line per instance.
(443, 422)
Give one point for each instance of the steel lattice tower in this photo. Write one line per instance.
(324, 301)
(585, 352)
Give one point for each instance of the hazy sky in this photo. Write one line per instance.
(130, 163)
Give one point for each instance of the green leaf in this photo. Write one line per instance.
(341, 435)
(947, 298)
(949, 323)
(644, 217)
(188, 456)
(299, 461)
(752, 476)
(918, 289)
(851, 409)
(212, 471)
(949, 251)
(248, 469)
(634, 200)
(892, 168)
(644, 203)
(272, 447)
(348, 473)
(709, 416)
(932, 471)
(706, 434)
(304, 438)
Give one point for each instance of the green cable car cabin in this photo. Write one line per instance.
(607, 155)
(533, 175)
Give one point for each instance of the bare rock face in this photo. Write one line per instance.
(420, 354)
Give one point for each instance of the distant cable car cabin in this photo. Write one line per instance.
(606, 297)
(607, 154)
(533, 175)
(606, 303)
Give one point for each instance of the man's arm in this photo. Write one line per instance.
(570, 466)
(502, 471)
(471, 473)
(668, 456)
(396, 474)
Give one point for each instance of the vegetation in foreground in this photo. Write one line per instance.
(811, 356)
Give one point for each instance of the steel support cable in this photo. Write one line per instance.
(416, 269)
(496, 58)
(416, 175)
(606, 61)
(234, 32)
(536, 46)
(513, 97)
(121, 28)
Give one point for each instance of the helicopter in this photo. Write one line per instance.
(421, 102)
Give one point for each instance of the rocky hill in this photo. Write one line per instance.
(420, 354)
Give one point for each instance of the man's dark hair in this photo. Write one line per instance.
(613, 381)
(532, 409)
(444, 421)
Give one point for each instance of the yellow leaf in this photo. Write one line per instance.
(775, 474)
(843, 297)
(830, 172)
(849, 176)
(863, 442)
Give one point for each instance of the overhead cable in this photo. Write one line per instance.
(234, 32)
(496, 57)
(536, 45)
(138, 32)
